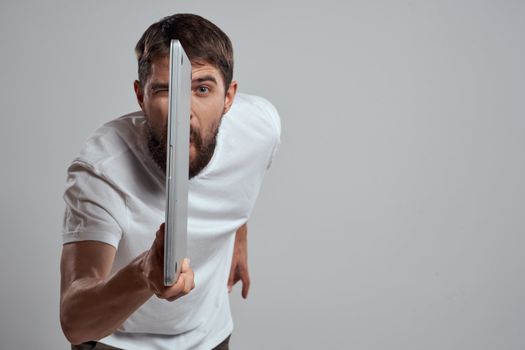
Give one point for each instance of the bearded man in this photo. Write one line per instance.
(112, 292)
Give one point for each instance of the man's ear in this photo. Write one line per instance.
(139, 93)
(230, 96)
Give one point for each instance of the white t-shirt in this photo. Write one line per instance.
(115, 194)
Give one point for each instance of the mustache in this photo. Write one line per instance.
(204, 145)
(195, 136)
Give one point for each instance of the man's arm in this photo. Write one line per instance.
(94, 304)
(239, 268)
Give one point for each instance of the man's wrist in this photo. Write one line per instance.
(137, 268)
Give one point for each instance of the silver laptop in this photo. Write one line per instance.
(177, 163)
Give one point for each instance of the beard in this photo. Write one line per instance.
(204, 148)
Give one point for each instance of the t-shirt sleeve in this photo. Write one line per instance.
(95, 208)
(276, 123)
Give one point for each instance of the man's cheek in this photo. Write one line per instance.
(193, 152)
(160, 125)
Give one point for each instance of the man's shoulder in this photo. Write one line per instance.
(113, 140)
(252, 111)
(249, 135)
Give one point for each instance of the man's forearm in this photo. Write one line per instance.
(93, 308)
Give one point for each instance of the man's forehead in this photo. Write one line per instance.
(200, 71)
(199, 68)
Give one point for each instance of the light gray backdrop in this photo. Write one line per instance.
(394, 214)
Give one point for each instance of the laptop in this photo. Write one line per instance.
(177, 163)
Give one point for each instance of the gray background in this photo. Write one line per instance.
(393, 217)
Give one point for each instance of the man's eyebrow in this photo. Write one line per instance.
(205, 78)
(158, 86)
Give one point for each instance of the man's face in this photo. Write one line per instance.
(209, 102)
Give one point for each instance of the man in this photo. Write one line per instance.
(112, 293)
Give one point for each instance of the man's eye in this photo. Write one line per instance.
(203, 90)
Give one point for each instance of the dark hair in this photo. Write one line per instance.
(202, 41)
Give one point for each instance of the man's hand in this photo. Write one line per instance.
(88, 290)
(239, 268)
(152, 266)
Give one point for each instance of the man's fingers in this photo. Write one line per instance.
(189, 284)
(186, 281)
(185, 284)
(230, 280)
(185, 267)
(234, 278)
(245, 284)
(160, 232)
(180, 288)
(158, 243)
(187, 275)
(245, 289)
(159, 236)
(153, 262)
